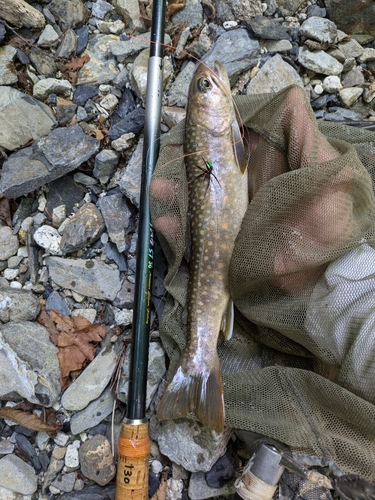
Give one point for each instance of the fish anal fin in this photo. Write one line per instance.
(227, 321)
(200, 394)
(239, 148)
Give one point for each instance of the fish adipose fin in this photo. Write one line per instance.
(239, 148)
(227, 321)
(200, 394)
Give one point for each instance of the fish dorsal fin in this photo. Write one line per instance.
(239, 148)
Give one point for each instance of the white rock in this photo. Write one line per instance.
(124, 317)
(41, 440)
(61, 439)
(10, 274)
(89, 314)
(48, 238)
(109, 102)
(15, 284)
(349, 95)
(318, 89)
(227, 25)
(332, 84)
(22, 252)
(123, 142)
(58, 215)
(174, 489)
(156, 466)
(72, 457)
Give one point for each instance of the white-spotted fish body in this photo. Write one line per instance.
(218, 198)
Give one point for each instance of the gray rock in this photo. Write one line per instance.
(233, 10)
(116, 27)
(65, 482)
(129, 10)
(51, 157)
(18, 305)
(155, 373)
(68, 44)
(26, 118)
(8, 74)
(130, 181)
(118, 218)
(58, 303)
(278, 45)
(338, 114)
(199, 489)
(93, 414)
(236, 51)
(350, 48)
(91, 278)
(92, 381)
(172, 115)
(17, 475)
(349, 95)
(273, 76)
(131, 124)
(357, 16)
(84, 179)
(44, 88)
(289, 7)
(44, 64)
(70, 13)
(93, 492)
(2, 32)
(82, 39)
(65, 110)
(191, 15)
(367, 55)
(353, 78)
(28, 367)
(6, 447)
(48, 36)
(319, 61)
(6, 494)
(8, 243)
(105, 164)
(54, 467)
(97, 461)
(177, 94)
(267, 28)
(320, 29)
(101, 68)
(125, 297)
(100, 8)
(124, 49)
(174, 437)
(84, 228)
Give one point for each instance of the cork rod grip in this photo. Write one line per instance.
(132, 467)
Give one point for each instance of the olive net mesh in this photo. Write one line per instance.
(300, 367)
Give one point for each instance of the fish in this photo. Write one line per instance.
(216, 169)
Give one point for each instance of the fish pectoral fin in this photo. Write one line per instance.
(239, 148)
(200, 394)
(227, 321)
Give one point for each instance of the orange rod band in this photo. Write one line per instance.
(132, 467)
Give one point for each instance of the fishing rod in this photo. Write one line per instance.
(134, 442)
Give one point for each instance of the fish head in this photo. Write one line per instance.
(210, 102)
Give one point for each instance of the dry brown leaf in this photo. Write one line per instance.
(28, 420)
(71, 359)
(63, 323)
(80, 322)
(45, 319)
(5, 211)
(98, 134)
(70, 69)
(161, 492)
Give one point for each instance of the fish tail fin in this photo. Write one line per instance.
(200, 394)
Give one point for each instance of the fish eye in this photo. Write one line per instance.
(203, 84)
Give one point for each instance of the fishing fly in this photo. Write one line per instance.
(207, 172)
